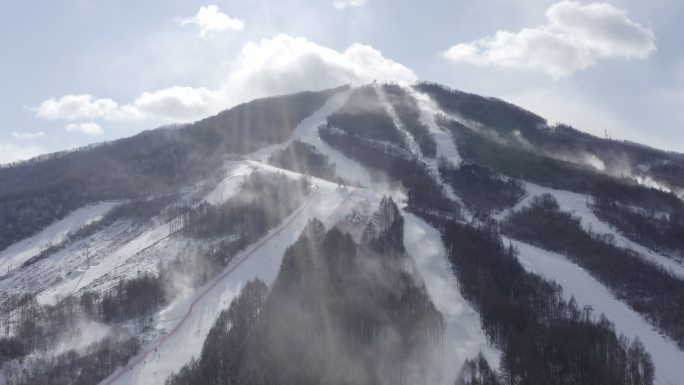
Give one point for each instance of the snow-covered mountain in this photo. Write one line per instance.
(381, 234)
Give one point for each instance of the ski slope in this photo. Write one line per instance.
(20, 252)
(668, 359)
(71, 260)
(307, 132)
(409, 140)
(76, 282)
(433, 166)
(184, 324)
(428, 113)
(464, 337)
(115, 261)
(229, 186)
(577, 204)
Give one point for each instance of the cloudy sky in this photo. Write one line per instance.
(75, 72)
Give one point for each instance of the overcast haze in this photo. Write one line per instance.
(75, 72)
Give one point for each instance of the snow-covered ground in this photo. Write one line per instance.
(184, 324)
(389, 108)
(181, 327)
(81, 279)
(448, 149)
(577, 204)
(116, 263)
(464, 337)
(18, 253)
(307, 132)
(668, 359)
(236, 172)
(70, 261)
(428, 113)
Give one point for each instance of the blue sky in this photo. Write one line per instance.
(75, 72)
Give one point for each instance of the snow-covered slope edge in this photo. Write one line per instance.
(463, 337)
(578, 205)
(576, 282)
(18, 253)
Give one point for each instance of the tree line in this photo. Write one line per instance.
(408, 112)
(72, 367)
(523, 128)
(646, 287)
(305, 159)
(658, 231)
(482, 191)
(380, 149)
(543, 338)
(351, 311)
(30, 328)
(35, 193)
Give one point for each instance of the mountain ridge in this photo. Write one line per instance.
(422, 176)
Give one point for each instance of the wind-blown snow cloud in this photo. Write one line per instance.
(342, 4)
(88, 128)
(210, 19)
(267, 67)
(575, 37)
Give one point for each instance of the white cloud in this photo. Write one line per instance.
(11, 153)
(179, 103)
(575, 37)
(75, 107)
(286, 64)
(342, 4)
(29, 135)
(211, 19)
(283, 64)
(87, 128)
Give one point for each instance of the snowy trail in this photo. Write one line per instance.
(194, 315)
(389, 108)
(18, 253)
(464, 337)
(310, 123)
(345, 168)
(413, 146)
(668, 359)
(428, 112)
(307, 132)
(577, 203)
